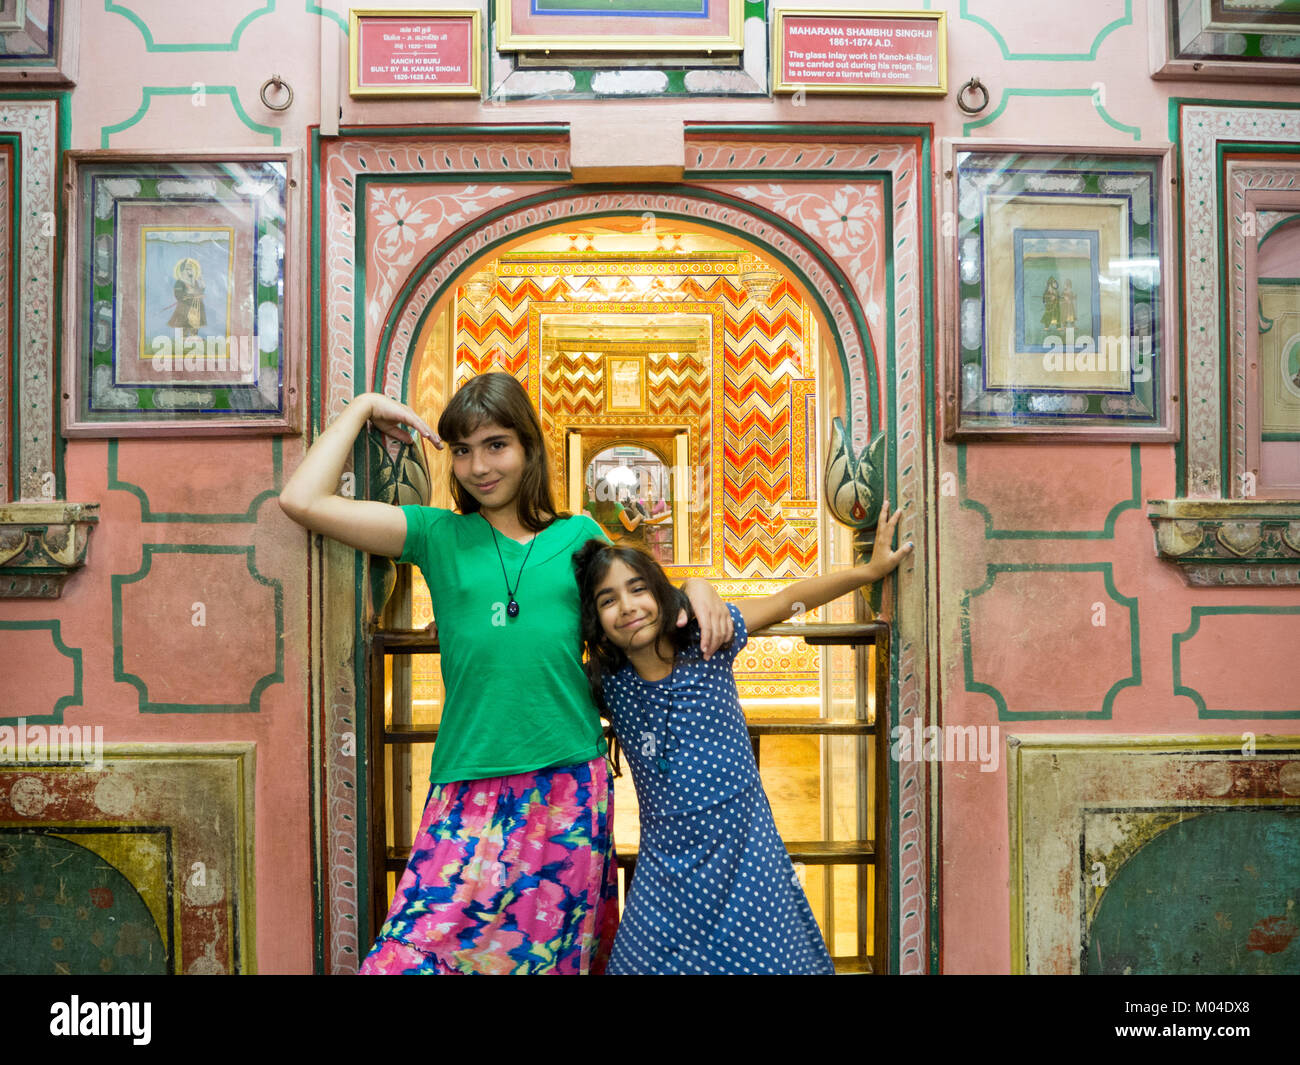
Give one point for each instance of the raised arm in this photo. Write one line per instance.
(310, 497)
(805, 595)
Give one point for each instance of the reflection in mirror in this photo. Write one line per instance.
(628, 490)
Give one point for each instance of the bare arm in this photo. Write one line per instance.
(309, 497)
(804, 595)
(716, 626)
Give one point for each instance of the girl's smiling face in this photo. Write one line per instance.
(489, 464)
(627, 609)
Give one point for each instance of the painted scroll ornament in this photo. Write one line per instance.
(855, 485)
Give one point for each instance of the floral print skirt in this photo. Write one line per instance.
(509, 875)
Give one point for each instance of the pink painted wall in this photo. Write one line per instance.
(1033, 633)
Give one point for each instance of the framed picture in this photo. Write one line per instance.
(676, 26)
(1258, 40)
(181, 304)
(625, 384)
(38, 41)
(1056, 263)
(402, 52)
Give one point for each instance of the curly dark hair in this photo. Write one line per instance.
(590, 565)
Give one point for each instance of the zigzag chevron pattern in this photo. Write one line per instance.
(762, 357)
(762, 361)
(573, 387)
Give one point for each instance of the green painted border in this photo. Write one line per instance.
(1179, 638)
(1135, 659)
(150, 91)
(1107, 532)
(146, 564)
(117, 8)
(1178, 213)
(62, 101)
(64, 107)
(1049, 57)
(55, 716)
(339, 20)
(15, 142)
(968, 127)
(1289, 220)
(146, 510)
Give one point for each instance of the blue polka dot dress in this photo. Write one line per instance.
(714, 890)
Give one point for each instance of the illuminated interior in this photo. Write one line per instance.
(682, 369)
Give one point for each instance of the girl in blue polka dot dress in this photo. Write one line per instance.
(714, 890)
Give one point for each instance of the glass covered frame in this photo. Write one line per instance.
(1027, 353)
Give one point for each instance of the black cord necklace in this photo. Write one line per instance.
(512, 607)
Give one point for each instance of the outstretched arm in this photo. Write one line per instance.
(804, 595)
(309, 498)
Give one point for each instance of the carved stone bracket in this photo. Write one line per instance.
(1229, 541)
(41, 546)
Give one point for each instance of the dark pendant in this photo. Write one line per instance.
(662, 763)
(512, 608)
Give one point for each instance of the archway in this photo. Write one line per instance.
(489, 192)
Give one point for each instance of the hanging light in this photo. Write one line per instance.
(480, 287)
(757, 278)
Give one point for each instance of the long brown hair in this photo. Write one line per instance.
(497, 398)
(591, 563)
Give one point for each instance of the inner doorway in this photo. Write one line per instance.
(685, 348)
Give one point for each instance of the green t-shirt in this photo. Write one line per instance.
(517, 698)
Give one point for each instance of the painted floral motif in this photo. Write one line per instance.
(557, 210)
(343, 163)
(408, 225)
